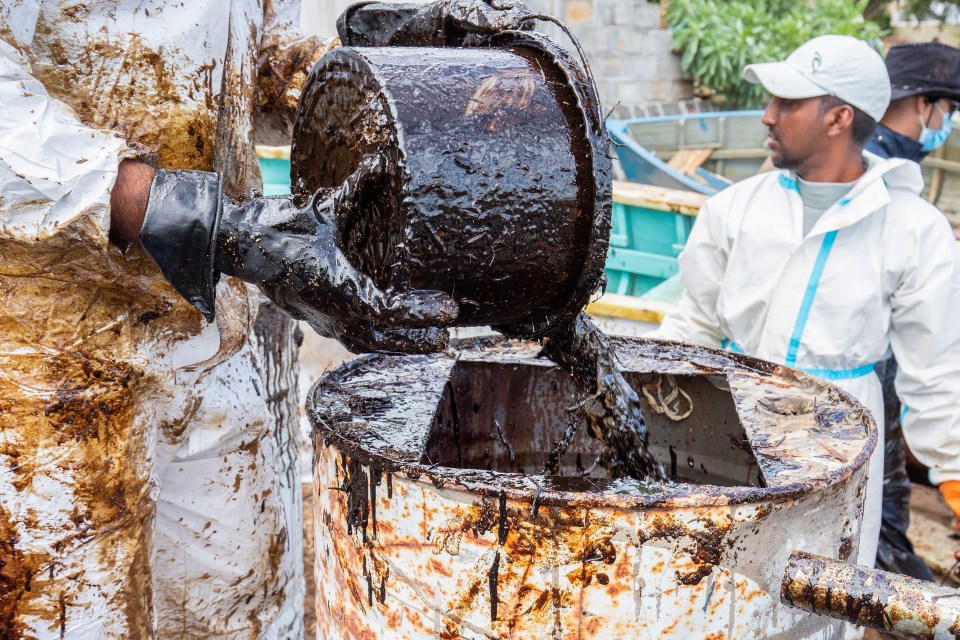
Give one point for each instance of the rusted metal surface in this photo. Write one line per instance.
(432, 520)
(889, 602)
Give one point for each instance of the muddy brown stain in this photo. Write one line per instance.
(14, 578)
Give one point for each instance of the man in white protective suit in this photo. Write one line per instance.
(834, 260)
(148, 476)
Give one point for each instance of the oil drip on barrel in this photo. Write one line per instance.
(493, 576)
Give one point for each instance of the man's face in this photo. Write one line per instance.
(795, 131)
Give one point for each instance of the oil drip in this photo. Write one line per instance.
(611, 407)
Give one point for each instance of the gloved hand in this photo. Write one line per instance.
(448, 23)
(950, 489)
(289, 250)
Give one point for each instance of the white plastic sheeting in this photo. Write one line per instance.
(143, 484)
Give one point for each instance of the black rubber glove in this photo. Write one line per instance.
(288, 250)
(442, 23)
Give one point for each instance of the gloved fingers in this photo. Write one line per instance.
(356, 191)
(950, 489)
(333, 287)
(419, 309)
(415, 341)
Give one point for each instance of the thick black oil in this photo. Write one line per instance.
(609, 406)
(497, 190)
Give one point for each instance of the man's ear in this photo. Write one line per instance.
(838, 120)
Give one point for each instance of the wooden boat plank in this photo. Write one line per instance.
(723, 154)
(630, 308)
(687, 161)
(686, 203)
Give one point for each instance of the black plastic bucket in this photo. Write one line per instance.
(498, 187)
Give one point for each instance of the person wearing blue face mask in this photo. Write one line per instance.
(930, 139)
(925, 89)
(925, 85)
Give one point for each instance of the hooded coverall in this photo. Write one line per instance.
(878, 271)
(146, 489)
(895, 550)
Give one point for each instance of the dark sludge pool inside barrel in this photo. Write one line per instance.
(506, 417)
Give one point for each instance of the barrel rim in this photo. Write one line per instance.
(679, 495)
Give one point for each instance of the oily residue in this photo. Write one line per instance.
(122, 97)
(611, 407)
(14, 577)
(356, 484)
(463, 551)
(506, 207)
(73, 431)
(870, 598)
(493, 576)
(283, 69)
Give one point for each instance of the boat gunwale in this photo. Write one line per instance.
(619, 130)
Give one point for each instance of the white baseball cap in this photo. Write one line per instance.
(839, 66)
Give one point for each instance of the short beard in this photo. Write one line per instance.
(787, 161)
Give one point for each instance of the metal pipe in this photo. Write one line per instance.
(889, 602)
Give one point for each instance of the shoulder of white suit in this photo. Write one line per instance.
(896, 173)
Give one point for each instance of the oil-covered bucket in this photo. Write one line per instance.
(498, 173)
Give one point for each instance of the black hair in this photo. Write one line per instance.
(863, 125)
(934, 98)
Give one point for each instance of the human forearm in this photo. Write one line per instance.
(128, 201)
(287, 249)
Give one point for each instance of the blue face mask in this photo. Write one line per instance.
(931, 139)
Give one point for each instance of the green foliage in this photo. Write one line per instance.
(718, 38)
(926, 9)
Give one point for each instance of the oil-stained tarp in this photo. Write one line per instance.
(142, 486)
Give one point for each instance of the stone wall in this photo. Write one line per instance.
(636, 73)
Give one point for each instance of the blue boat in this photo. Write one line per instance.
(703, 152)
(682, 160)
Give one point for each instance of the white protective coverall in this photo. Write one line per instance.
(879, 270)
(146, 491)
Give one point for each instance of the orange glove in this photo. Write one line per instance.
(951, 493)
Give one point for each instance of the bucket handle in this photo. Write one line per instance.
(583, 57)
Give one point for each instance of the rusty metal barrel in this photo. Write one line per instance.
(433, 519)
(498, 173)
